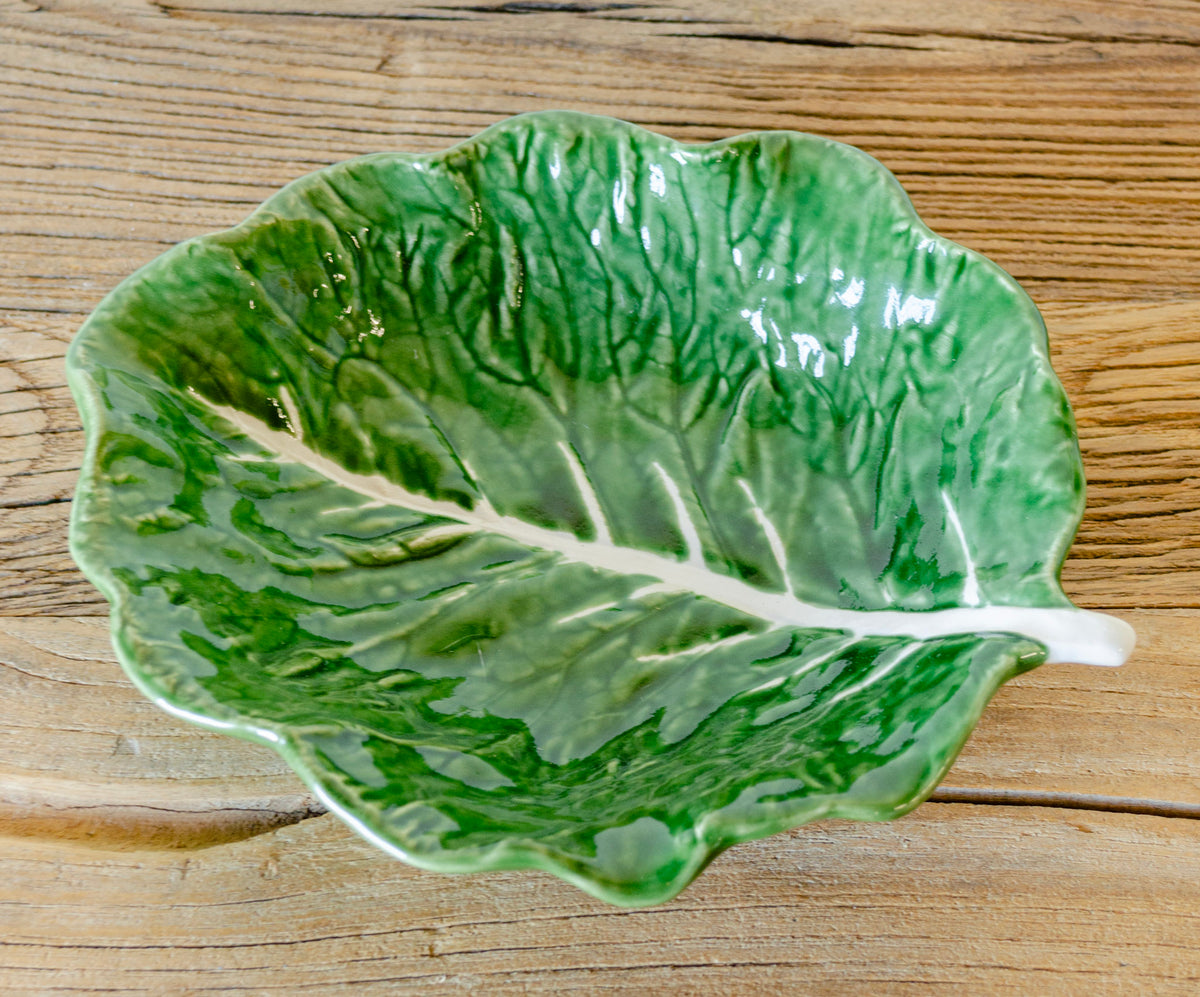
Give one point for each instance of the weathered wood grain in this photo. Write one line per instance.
(952, 899)
(1062, 143)
(88, 758)
(1133, 375)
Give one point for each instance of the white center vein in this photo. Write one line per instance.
(1069, 634)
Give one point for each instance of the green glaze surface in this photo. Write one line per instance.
(436, 474)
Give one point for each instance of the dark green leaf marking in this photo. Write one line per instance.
(749, 358)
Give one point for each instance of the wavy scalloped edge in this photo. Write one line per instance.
(712, 835)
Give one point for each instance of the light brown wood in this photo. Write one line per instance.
(91, 759)
(952, 899)
(140, 854)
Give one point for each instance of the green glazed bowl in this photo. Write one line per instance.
(579, 500)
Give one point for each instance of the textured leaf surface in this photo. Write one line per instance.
(483, 486)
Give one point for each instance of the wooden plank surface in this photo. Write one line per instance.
(140, 855)
(1036, 902)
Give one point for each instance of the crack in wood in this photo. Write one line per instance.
(918, 33)
(122, 825)
(550, 7)
(680, 20)
(314, 809)
(34, 503)
(1040, 38)
(173, 11)
(1065, 801)
(813, 41)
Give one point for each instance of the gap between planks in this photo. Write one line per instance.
(1065, 801)
(125, 827)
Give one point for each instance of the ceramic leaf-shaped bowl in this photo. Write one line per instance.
(580, 500)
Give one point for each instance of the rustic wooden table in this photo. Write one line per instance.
(1062, 854)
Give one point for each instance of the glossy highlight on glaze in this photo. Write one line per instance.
(581, 500)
